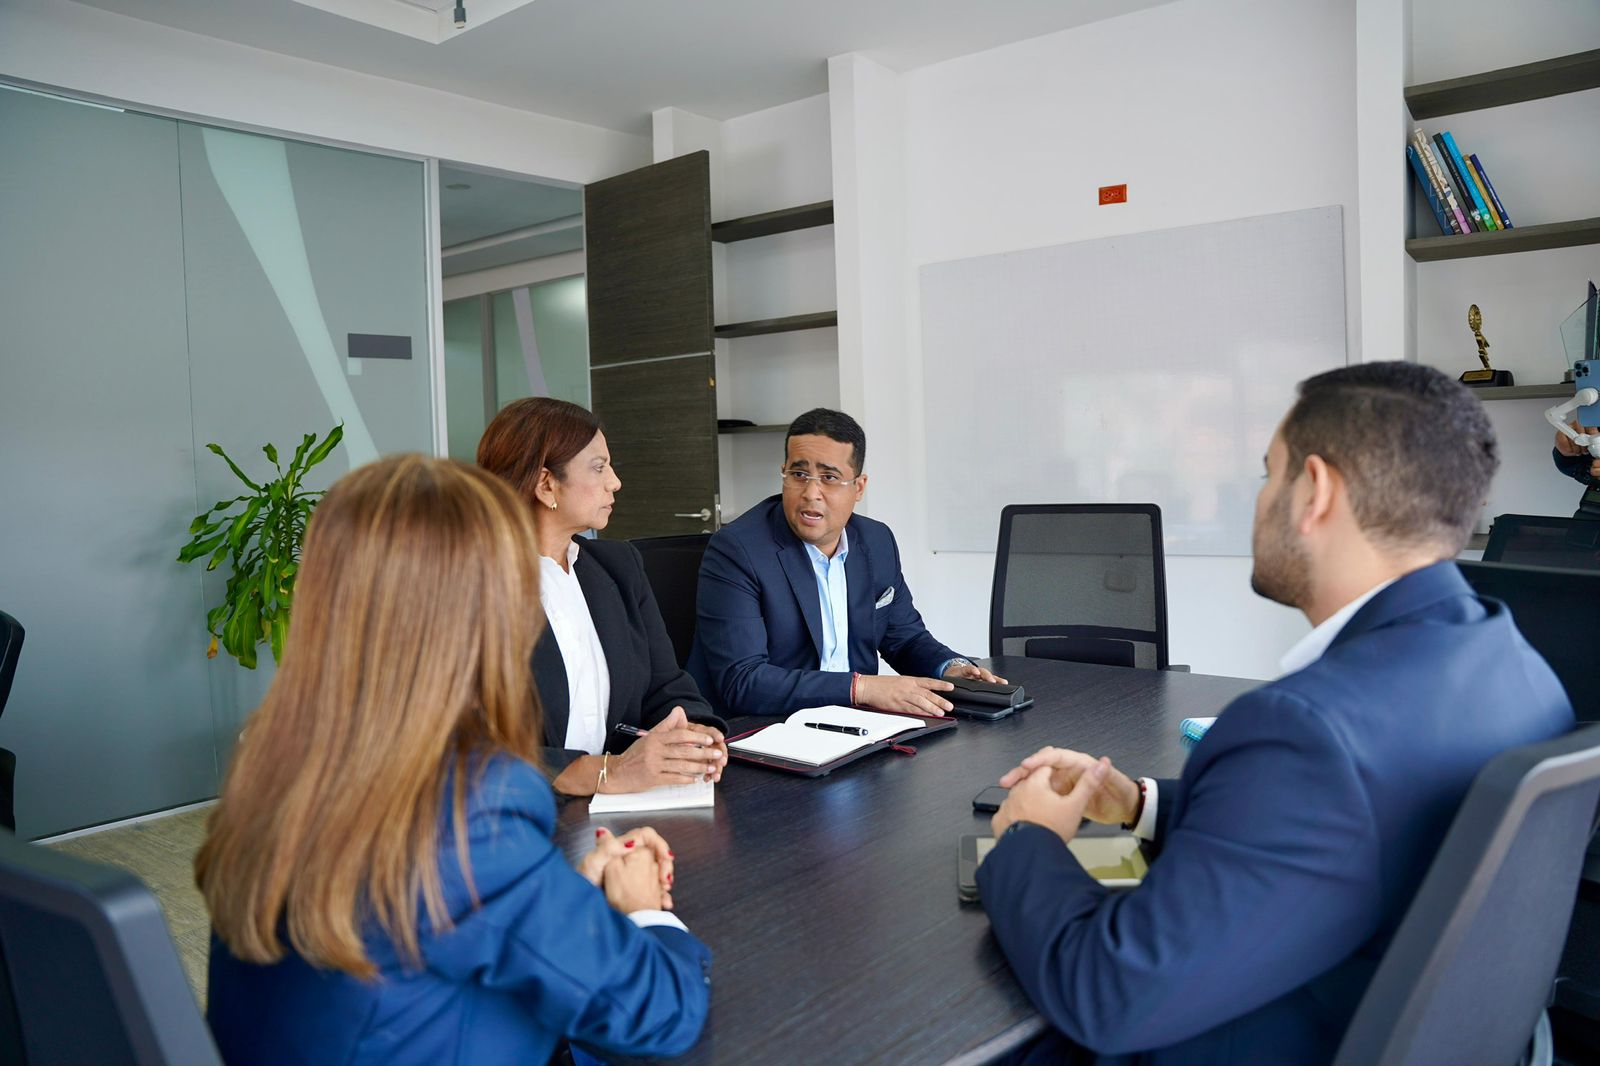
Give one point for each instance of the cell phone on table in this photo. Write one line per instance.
(988, 801)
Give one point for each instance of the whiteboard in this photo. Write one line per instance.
(1149, 368)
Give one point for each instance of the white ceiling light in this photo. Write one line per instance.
(434, 21)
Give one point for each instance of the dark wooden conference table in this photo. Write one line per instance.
(830, 903)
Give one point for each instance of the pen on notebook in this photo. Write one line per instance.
(853, 730)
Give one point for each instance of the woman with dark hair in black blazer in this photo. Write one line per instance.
(605, 659)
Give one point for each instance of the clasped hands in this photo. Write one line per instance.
(675, 752)
(1058, 788)
(634, 870)
(915, 695)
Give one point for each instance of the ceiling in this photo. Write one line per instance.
(493, 206)
(611, 63)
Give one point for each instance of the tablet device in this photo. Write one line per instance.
(1117, 862)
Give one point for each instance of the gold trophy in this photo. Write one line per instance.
(1488, 376)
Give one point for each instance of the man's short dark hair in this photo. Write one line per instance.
(835, 425)
(1415, 448)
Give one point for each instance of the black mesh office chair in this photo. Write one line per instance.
(1554, 609)
(11, 634)
(88, 972)
(672, 566)
(1544, 540)
(1081, 582)
(1469, 972)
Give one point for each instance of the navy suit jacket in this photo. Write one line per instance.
(1289, 849)
(646, 680)
(758, 645)
(542, 956)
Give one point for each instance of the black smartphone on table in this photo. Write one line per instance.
(988, 801)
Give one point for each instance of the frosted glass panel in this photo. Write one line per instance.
(289, 248)
(541, 341)
(463, 376)
(109, 715)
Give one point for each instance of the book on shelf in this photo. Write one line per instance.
(1494, 197)
(1441, 182)
(1458, 165)
(1456, 185)
(1446, 220)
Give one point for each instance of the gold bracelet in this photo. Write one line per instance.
(605, 764)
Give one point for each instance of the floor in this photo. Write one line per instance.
(160, 852)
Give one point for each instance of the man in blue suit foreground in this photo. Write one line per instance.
(800, 595)
(1305, 820)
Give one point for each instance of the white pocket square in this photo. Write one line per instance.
(885, 600)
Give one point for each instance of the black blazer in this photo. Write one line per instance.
(646, 680)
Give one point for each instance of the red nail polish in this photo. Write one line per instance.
(671, 856)
(599, 833)
(628, 844)
(669, 879)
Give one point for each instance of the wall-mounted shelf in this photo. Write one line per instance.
(765, 225)
(1509, 85)
(790, 324)
(1505, 242)
(1526, 392)
(755, 429)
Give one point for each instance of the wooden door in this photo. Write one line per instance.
(651, 372)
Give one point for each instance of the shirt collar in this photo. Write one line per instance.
(1313, 644)
(572, 556)
(818, 559)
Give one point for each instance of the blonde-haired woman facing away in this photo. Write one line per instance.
(380, 872)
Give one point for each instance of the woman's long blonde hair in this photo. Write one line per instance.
(415, 616)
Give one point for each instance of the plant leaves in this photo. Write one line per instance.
(272, 453)
(217, 449)
(280, 634)
(335, 435)
(197, 547)
(217, 557)
(236, 533)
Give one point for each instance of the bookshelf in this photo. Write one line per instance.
(733, 430)
(787, 324)
(1508, 85)
(786, 220)
(1496, 88)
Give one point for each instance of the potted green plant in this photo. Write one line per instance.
(262, 541)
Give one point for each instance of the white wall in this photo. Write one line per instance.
(69, 46)
(1006, 149)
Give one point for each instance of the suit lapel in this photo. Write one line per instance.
(550, 670)
(859, 586)
(802, 579)
(600, 592)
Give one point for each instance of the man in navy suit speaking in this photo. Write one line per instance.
(1305, 820)
(800, 595)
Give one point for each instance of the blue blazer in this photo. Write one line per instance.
(1289, 849)
(758, 643)
(541, 957)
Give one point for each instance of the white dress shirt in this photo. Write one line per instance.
(1307, 651)
(588, 678)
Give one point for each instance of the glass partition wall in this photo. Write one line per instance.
(165, 285)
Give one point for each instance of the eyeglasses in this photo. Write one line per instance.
(798, 479)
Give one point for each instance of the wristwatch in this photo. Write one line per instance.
(959, 660)
(1014, 826)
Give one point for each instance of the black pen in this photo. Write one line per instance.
(631, 730)
(853, 730)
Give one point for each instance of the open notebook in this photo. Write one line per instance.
(661, 798)
(793, 741)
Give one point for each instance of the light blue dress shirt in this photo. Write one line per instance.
(835, 597)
